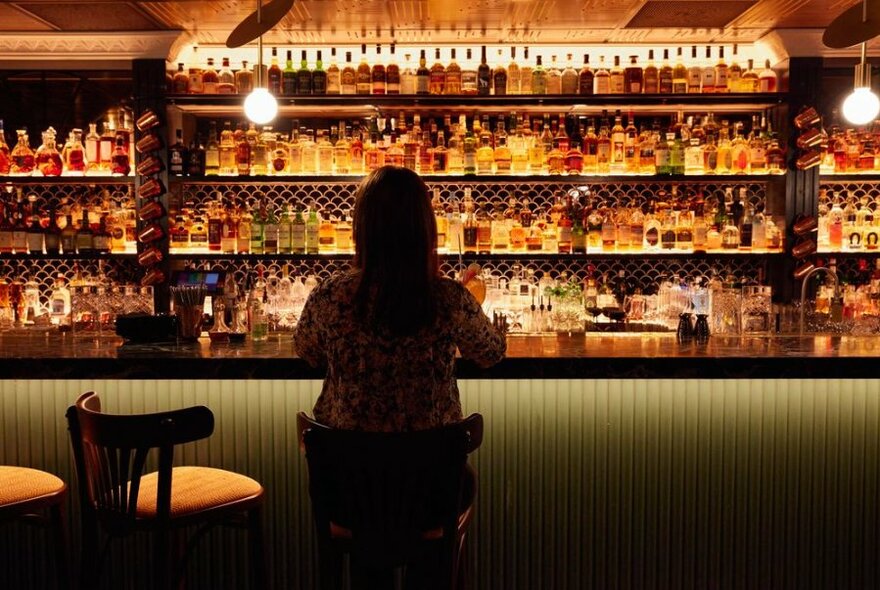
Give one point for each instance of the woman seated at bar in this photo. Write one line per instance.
(387, 330)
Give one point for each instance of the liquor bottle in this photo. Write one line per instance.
(775, 156)
(618, 140)
(651, 75)
(484, 75)
(47, 160)
(407, 76)
(101, 239)
(539, 77)
(767, 79)
(647, 141)
(334, 76)
(225, 79)
(244, 79)
(603, 152)
(664, 76)
(525, 74)
(694, 73)
(602, 79)
(108, 143)
(74, 155)
(746, 228)
(318, 76)
(377, 74)
(585, 77)
(679, 75)
(212, 152)
(303, 76)
(514, 74)
(84, 235)
(710, 156)
(455, 155)
(274, 74)
(590, 149)
(22, 156)
(437, 76)
(707, 77)
(348, 78)
(749, 81)
(757, 149)
(195, 74)
(554, 77)
(469, 230)
(570, 77)
(499, 78)
(180, 82)
(423, 75)
(485, 156)
(227, 151)
(59, 303)
(392, 74)
(34, 232)
(364, 76)
(631, 156)
(288, 76)
(633, 77)
(693, 158)
(177, 155)
(195, 163)
(469, 152)
(739, 153)
(734, 73)
(327, 233)
(616, 78)
(120, 163)
(721, 73)
(5, 158)
(484, 231)
(426, 154)
(636, 229)
(52, 234)
(676, 154)
(441, 162)
(210, 79)
(452, 82)
(662, 155)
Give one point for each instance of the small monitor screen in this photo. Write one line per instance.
(213, 280)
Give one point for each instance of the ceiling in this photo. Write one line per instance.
(433, 21)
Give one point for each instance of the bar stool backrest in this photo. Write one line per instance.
(111, 453)
(392, 491)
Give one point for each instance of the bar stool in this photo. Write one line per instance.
(391, 500)
(115, 494)
(37, 497)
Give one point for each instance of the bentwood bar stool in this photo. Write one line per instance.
(37, 497)
(118, 497)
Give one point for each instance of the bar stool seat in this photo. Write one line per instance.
(22, 484)
(36, 497)
(195, 490)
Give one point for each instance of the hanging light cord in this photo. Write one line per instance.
(260, 45)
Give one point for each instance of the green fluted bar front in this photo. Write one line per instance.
(644, 484)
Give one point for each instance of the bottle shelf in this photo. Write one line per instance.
(90, 256)
(872, 176)
(486, 178)
(365, 105)
(847, 253)
(178, 255)
(66, 180)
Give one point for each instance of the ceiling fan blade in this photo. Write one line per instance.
(249, 29)
(848, 29)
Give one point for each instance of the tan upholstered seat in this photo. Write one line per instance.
(20, 484)
(194, 489)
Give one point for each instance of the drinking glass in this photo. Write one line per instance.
(756, 305)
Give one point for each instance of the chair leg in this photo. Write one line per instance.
(162, 574)
(58, 530)
(259, 580)
(88, 572)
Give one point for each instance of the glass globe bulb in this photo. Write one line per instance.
(260, 106)
(861, 107)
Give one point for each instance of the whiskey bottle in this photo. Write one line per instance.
(707, 77)
(616, 79)
(554, 77)
(303, 76)
(513, 73)
(767, 79)
(180, 82)
(52, 234)
(348, 78)
(468, 76)
(437, 76)
(570, 78)
(452, 83)
(210, 79)
(84, 235)
(721, 73)
(225, 79)
(633, 77)
(525, 74)
(212, 152)
(377, 74)
(694, 73)
(288, 76)
(364, 76)
(244, 79)
(392, 74)
(274, 74)
(679, 75)
(734, 73)
(602, 79)
(423, 75)
(585, 77)
(484, 75)
(539, 77)
(499, 78)
(334, 77)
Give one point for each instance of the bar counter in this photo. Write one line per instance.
(557, 356)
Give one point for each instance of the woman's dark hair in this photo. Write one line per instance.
(395, 241)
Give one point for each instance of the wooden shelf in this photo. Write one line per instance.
(674, 254)
(367, 105)
(92, 256)
(66, 180)
(487, 179)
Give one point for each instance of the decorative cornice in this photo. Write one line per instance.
(86, 46)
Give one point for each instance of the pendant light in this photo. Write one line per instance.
(260, 106)
(855, 26)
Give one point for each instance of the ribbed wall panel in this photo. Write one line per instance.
(583, 484)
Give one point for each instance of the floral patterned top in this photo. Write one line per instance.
(379, 382)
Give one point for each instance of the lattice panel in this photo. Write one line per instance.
(647, 272)
(44, 272)
(338, 197)
(857, 189)
(55, 196)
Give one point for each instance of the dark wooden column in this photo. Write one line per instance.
(148, 81)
